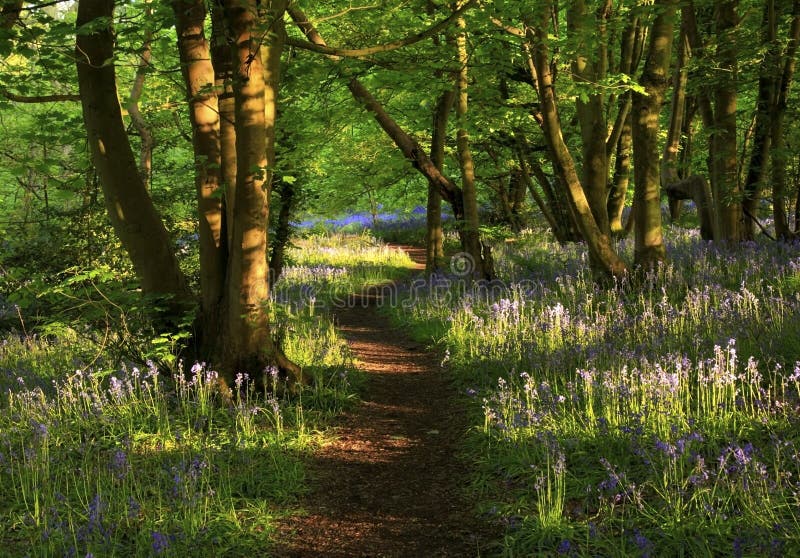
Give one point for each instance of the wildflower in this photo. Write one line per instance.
(564, 547)
(119, 463)
(160, 542)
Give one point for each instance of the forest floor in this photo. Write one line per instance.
(391, 484)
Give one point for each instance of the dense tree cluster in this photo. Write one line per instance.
(542, 110)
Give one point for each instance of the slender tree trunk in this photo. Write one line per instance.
(779, 155)
(434, 234)
(621, 179)
(283, 230)
(198, 74)
(649, 241)
(759, 154)
(249, 344)
(591, 111)
(599, 242)
(471, 241)
(130, 209)
(138, 120)
(727, 194)
(223, 83)
(669, 157)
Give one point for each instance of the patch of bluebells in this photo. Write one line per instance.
(666, 371)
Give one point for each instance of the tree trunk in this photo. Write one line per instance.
(223, 83)
(759, 154)
(622, 173)
(601, 250)
(249, 345)
(141, 125)
(669, 157)
(727, 194)
(471, 239)
(434, 234)
(198, 74)
(591, 107)
(649, 241)
(130, 209)
(283, 230)
(779, 155)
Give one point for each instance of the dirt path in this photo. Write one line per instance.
(390, 485)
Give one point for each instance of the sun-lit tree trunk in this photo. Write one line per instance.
(649, 241)
(727, 194)
(601, 250)
(130, 208)
(434, 233)
(198, 74)
(471, 237)
(630, 53)
(589, 67)
(669, 156)
(249, 344)
(223, 82)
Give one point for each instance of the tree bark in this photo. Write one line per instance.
(471, 239)
(198, 74)
(649, 241)
(778, 154)
(434, 234)
(283, 230)
(759, 154)
(249, 344)
(223, 82)
(591, 106)
(669, 157)
(601, 250)
(727, 194)
(130, 208)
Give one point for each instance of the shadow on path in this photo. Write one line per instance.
(390, 485)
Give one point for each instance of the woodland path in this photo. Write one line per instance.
(391, 484)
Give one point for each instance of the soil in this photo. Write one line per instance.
(390, 485)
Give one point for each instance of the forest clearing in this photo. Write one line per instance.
(402, 279)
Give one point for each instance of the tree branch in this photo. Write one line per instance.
(39, 98)
(368, 51)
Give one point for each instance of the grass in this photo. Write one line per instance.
(106, 458)
(654, 418)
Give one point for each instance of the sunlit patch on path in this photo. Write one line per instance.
(390, 485)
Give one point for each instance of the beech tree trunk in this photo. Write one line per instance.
(226, 105)
(471, 238)
(130, 208)
(778, 153)
(601, 250)
(669, 157)
(590, 66)
(249, 344)
(199, 77)
(649, 241)
(759, 154)
(727, 194)
(434, 233)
